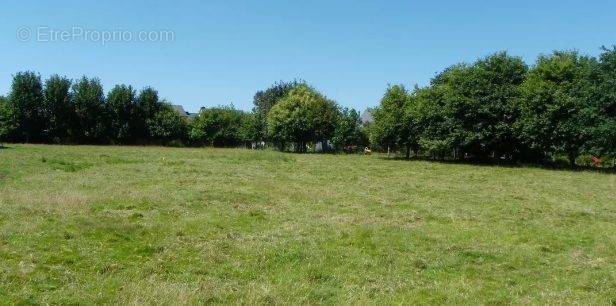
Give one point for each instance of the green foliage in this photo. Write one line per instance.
(488, 113)
(470, 108)
(91, 120)
(496, 108)
(166, 125)
(123, 114)
(249, 128)
(556, 116)
(433, 121)
(58, 108)
(392, 127)
(437, 148)
(303, 116)
(27, 102)
(266, 99)
(218, 126)
(149, 103)
(349, 134)
(603, 139)
(7, 119)
(148, 106)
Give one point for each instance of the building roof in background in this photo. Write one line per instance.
(180, 110)
(366, 117)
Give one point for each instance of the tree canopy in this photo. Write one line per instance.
(392, 126)
(123, 114)
(58, 108)
(303, 116)
(603, 139)
(555, 114)
(166, 125)
(263, 102)
(349, 134)
(469, 109)
(26, 101)
(91, 117)
(219, 126)
(7, 119)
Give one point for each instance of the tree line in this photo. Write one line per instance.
(288, 116)
(79, 112)
(497, 108)
(500, 108)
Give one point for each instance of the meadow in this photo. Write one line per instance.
(152, 225)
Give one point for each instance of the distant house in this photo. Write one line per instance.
(180, 110)
(366, 117)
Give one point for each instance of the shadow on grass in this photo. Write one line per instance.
(506, 164)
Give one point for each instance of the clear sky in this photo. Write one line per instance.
(223, 51)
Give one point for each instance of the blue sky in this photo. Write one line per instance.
(224, 51)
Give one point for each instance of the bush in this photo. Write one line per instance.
(167, 126)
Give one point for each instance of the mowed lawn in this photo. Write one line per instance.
(149, 225)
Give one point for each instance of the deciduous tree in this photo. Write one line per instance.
(148, 106)
(303, 116)
(392, 126)
(123, 114)
(556, 114)
(166, 125)
(90, 125)
(27, 102)
(264, 100)
(603, 139)
(218, 126)
(349, 131)
(7, 119)
(58, 108)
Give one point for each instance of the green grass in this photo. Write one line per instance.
(134, 225)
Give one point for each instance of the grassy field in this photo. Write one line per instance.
(134, 225)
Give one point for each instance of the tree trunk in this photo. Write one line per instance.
(408, 152)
